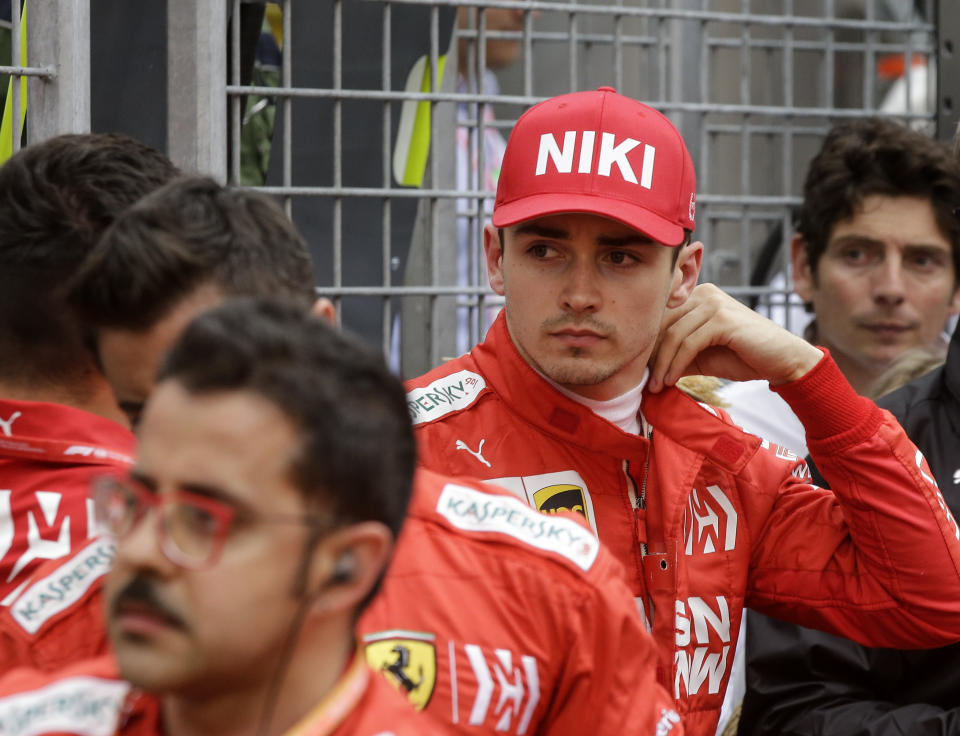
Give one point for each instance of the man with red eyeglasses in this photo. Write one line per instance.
(274, 469)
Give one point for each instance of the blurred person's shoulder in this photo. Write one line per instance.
(754, 407)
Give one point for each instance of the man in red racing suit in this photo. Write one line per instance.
(592, 253)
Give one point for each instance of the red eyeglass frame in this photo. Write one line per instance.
(224, 513)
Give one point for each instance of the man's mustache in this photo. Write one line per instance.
(141, 593)
(579, 322)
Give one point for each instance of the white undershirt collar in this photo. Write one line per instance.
(622, 410)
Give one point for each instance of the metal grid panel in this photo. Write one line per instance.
(753, 85)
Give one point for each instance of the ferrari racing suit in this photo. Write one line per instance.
(706, 518)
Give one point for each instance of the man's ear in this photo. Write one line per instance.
(493, 249)
(685, 273)
(324, 309)
(803, 281)
(346, 565)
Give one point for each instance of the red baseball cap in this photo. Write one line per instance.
(602, 153)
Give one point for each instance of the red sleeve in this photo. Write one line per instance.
(877, 559)
(614, 662)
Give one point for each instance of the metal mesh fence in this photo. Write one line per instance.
(389, 118)
(380, 123)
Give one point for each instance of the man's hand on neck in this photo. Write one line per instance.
(712, 334)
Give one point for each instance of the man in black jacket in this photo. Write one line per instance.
(801, 681)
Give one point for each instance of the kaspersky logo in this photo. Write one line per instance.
(408, 659)
(579, 146)
(444, 396)
(561, 497)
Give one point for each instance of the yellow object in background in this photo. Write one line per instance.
(413, 133)
(274, 15)
(6, 124)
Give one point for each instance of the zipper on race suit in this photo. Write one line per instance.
(639, 503)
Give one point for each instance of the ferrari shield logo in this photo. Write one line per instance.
(407, 659)
(562, 497)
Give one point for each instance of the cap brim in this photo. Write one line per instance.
(540, 205)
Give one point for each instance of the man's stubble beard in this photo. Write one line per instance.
(582, 375)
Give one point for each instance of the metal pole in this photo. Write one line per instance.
(16, 10)
(197, 85)
(235, 100)
(58, 33)
(948, 68)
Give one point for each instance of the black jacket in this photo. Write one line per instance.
(801, 681)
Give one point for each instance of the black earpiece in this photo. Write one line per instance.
(343, 569)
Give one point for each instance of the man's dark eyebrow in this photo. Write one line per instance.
(854, 238)
(927, 248)
(866, 240)
(208, 491)
(198, 489)
(532, 228)
(558, 233)
(622, 240)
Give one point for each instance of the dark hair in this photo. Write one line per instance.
(192, 232)
(56, 199)
(356, 439)
(877, 156)
(687, 239)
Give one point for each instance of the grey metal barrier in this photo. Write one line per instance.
(388, 118)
